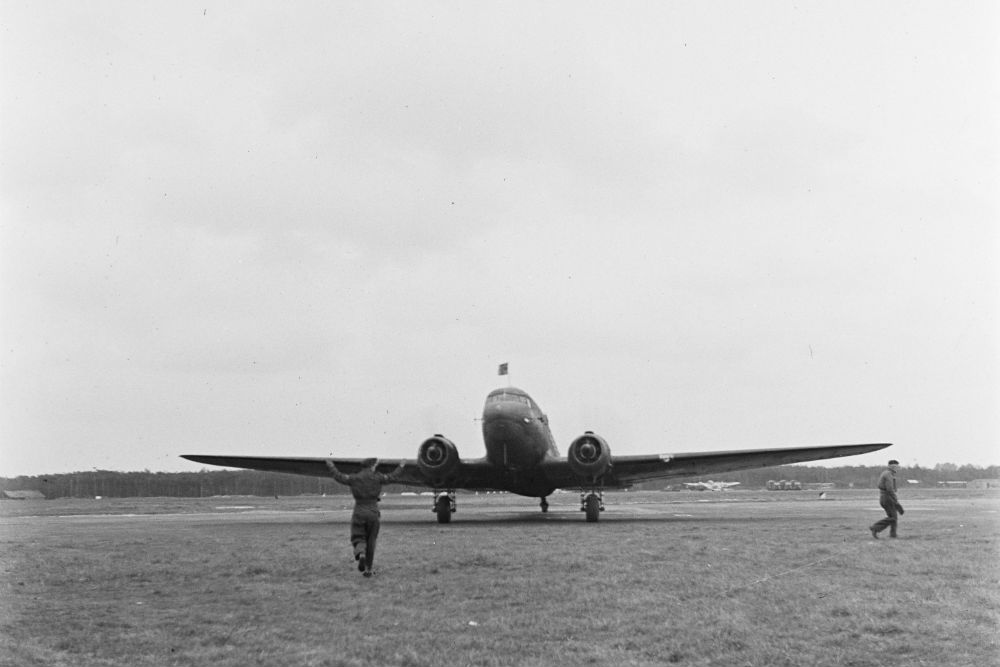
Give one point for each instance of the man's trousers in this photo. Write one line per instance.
(891, 518)
(364, 533)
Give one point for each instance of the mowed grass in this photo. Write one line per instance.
(739, 578)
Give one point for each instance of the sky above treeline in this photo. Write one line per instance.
(317, 228)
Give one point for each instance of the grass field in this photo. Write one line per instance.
(735, 578)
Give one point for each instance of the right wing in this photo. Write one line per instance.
(627, 470)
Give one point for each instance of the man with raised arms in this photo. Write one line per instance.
(366, 487)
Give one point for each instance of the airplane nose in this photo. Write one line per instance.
(504, 425)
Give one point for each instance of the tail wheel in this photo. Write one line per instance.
(592, 506)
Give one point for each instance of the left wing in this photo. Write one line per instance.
(469, 474)
(627, 470)
(307, 465)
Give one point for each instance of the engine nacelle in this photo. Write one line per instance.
(437, 458)
(589, 456)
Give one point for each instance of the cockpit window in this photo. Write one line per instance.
(506, 398)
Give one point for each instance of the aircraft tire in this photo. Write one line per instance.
(444, 510)
(592, 507)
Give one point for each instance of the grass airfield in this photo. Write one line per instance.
(688, 578)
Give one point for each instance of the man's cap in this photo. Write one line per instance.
(894, 462)
(368, 463)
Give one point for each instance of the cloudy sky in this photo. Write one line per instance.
(317, 228)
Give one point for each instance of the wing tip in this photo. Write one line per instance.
(199, 458)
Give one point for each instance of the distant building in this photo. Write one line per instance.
(985, 484)
(784, 485)
(22, 495)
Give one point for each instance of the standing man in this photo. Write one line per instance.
(888, 500)
(366, 487)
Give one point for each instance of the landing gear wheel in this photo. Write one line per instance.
(545, 505)
(592, 506)
(443, 507)
(443, 510)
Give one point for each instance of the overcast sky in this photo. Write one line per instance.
(312, 229)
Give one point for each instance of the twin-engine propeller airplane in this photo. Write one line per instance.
(710, 485)
(521, 457)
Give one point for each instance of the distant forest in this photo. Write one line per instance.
(112, 484)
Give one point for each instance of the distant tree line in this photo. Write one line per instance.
(113, 484)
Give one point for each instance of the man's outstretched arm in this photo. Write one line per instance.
(336, 474)
(395, 474)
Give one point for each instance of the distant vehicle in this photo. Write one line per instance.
(521, 457)
(710, 485)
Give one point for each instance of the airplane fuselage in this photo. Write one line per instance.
(518, 439)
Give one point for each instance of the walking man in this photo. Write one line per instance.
(888, 500)
(366, 487)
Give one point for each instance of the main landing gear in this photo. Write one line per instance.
(445, 505)
(544, 504)
(593, 504)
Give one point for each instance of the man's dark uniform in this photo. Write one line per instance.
(366, 487)
(889, 502)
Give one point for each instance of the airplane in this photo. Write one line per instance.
(522, 458)
(710, 485)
